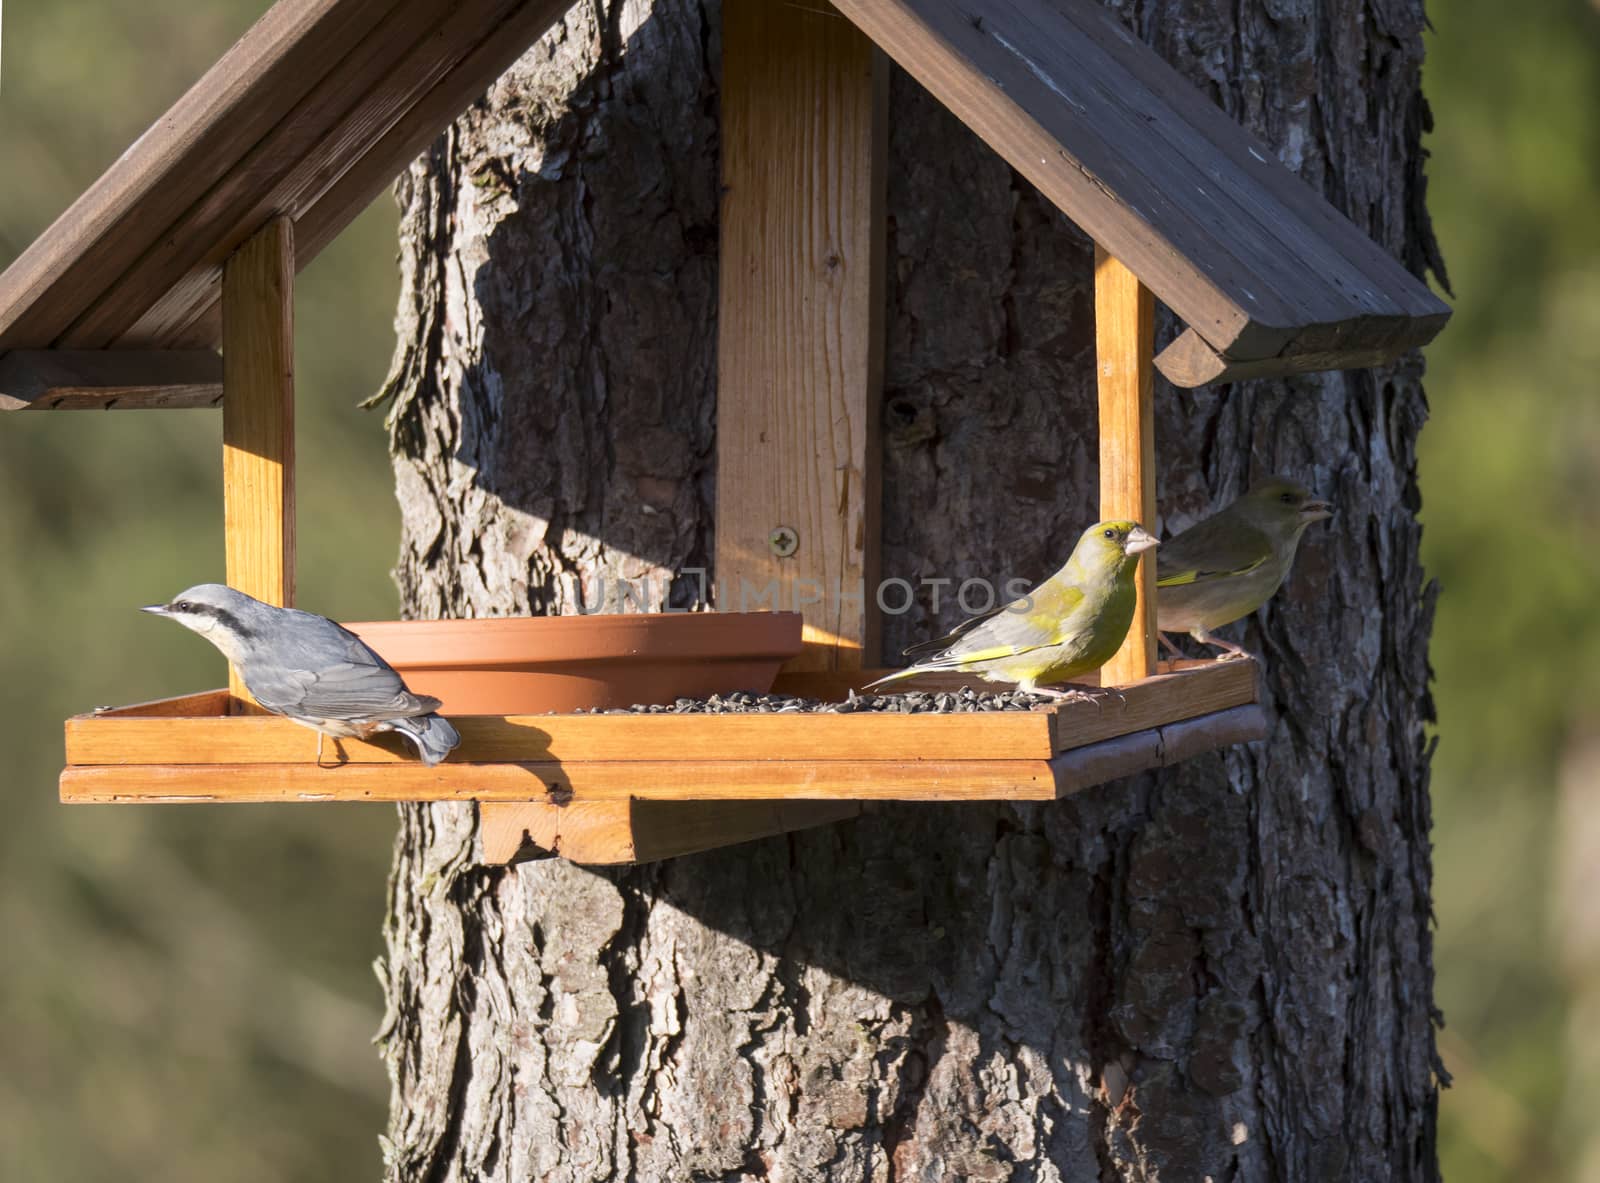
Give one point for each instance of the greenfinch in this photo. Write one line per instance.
(1069, 625)
(1225, 567)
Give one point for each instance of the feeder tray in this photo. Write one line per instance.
(193, 236)
(691, 776)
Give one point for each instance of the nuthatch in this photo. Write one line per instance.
(311, 670)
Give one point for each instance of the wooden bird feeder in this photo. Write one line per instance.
(191, 240)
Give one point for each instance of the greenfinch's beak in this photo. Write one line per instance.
(1138, 540)
(1316, 511)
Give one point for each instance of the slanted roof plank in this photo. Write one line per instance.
(1256, 263)
(337, 120)
(174, 163)
(367, 177)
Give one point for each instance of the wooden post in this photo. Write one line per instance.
(258, 417)
(800, 355)
(1124, 316)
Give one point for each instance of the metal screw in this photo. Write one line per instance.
(783, 541)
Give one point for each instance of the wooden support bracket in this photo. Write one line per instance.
(800, 353)
(635, 831)
(258, 418)
(1124, 316)
(109, 379)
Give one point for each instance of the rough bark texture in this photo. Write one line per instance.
(1220, 972)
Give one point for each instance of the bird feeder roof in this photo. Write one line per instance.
(323, 102)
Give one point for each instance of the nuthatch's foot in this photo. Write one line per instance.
(338, 752)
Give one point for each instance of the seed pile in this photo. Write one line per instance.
(916, 702)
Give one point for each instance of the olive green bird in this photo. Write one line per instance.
(1069, 625)
(1223, 568)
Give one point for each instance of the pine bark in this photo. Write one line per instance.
(1219, 972)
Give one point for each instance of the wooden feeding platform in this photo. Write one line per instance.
(533, 772)
(192, 239)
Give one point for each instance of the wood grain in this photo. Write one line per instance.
(183, 154)
(364, 180)
(317, 107)
(801, 321)
(1124, 333)
(78, 380)
(676, 780)
(156, 737)
(258, 419)
(336, 122)
(1188, 361)
(1254, 261)
(1158, 747)
(634, 831)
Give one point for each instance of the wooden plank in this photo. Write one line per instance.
(331, 88)
(634, 831)
(1124, 331)
(188, 706)
(1250, 257)
(102, 739)
(1188, 361)
(800, 326)
(119, 738)
(676, 780)
(258, 419)
(253, 86)
(339, 119)
(1160, 747)
(393, 153)
(75, 380)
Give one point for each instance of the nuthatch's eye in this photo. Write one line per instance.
(182, 606)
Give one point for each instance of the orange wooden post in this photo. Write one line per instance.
(258, 417)
(1124, 315)
(800, 332)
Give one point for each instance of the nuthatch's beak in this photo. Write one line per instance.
(1316, 511)
(1138, 541)
(155, 609)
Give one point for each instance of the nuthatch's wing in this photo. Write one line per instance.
(324, 671)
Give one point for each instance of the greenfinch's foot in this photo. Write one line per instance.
(1230, 651)
(1096, 695)
(1170, 646)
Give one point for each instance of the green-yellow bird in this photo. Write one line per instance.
(1070, 624)
(1225, 567)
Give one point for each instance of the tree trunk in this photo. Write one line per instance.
(1221, 971)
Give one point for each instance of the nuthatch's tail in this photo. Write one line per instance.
(433, 735)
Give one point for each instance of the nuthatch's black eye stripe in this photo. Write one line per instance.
(232, 623)
(221, 615)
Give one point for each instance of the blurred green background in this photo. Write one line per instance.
(186, 993)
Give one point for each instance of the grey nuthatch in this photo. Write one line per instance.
(311, 670)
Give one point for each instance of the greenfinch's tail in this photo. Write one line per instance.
(909, 672)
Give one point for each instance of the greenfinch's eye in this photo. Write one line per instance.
(1111, 533)
(1287, 499)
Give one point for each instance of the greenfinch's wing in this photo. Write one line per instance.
(1217, 548)
(1046, 616)
(939, 644)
